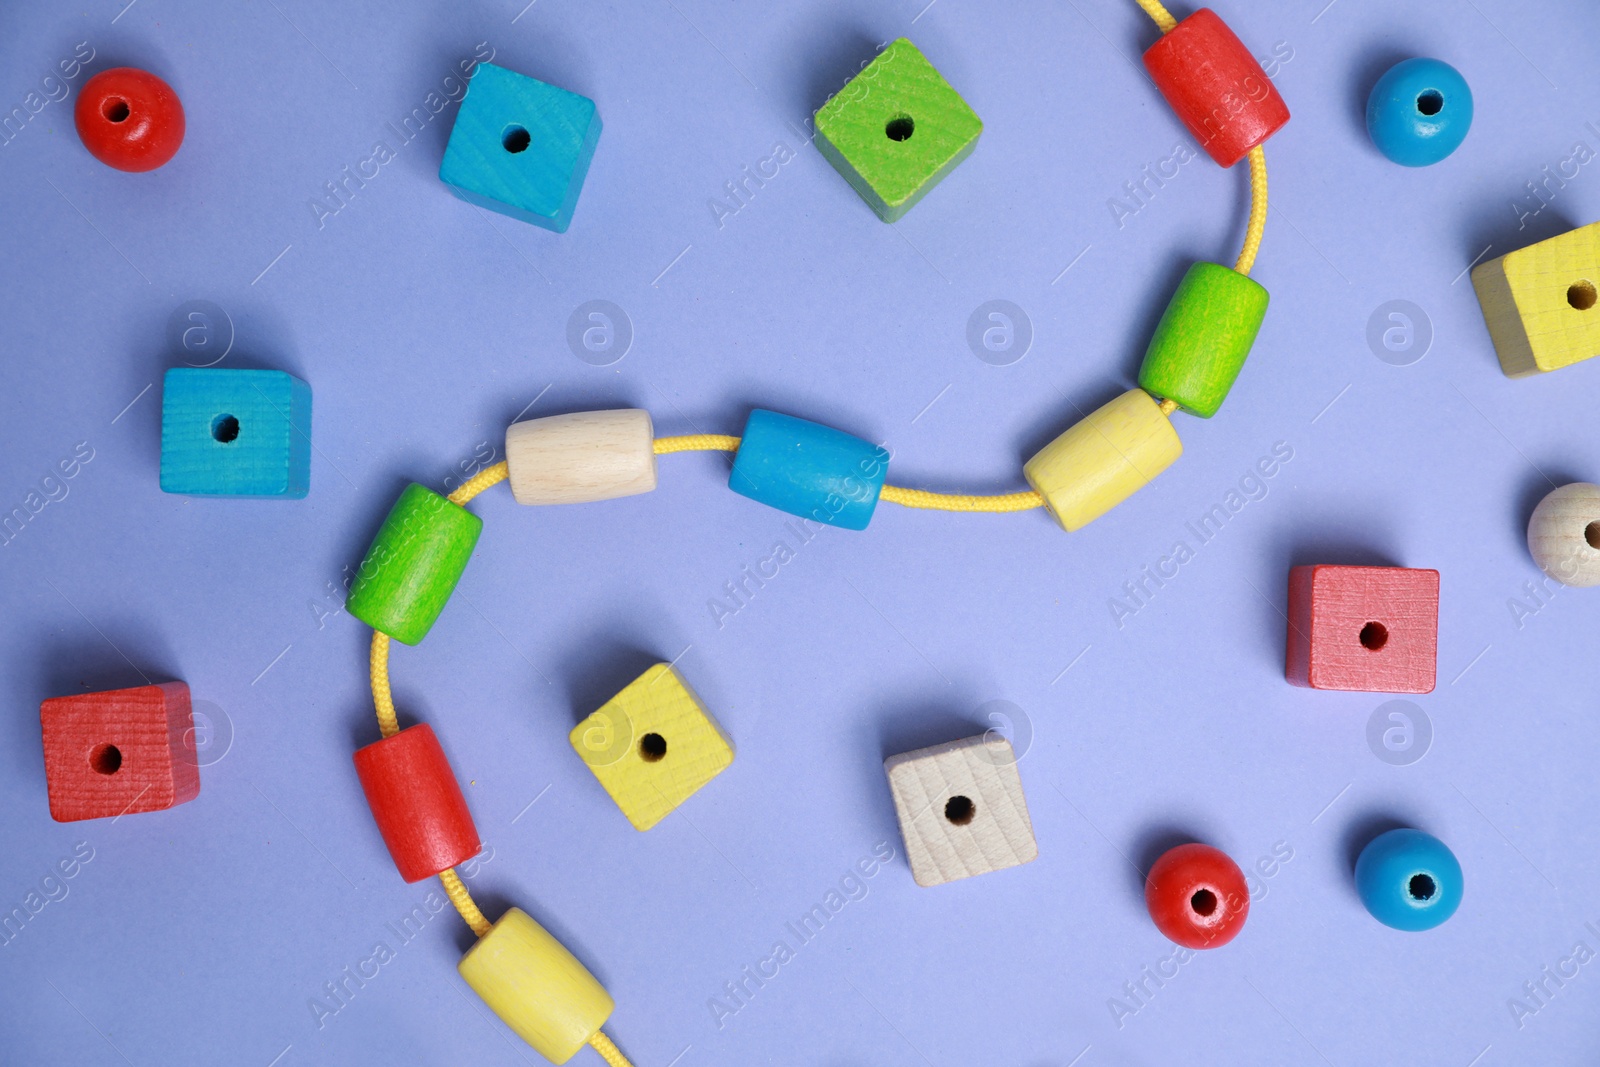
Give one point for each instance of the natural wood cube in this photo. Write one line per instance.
(1540, 302)
(118, 752)
(961, 809)
(1363, 629)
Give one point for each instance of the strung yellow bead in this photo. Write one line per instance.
(1104, 459)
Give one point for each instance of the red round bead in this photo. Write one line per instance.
(1197, 896)
(129, 119)
(1216, 87)
(417, 803)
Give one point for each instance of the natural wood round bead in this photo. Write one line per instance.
(1564, 534)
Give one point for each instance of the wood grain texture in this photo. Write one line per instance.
(536, 986)
(535, 175)
(947, 841)
(1564, 534)
(1203, 337)
(413, 564)
(1540, 302)
(118, 752)
(1216, 87)
(1103, 459)
(1331, 643)
(652, 746)
(896, 129)
(264, 451)
(581, 457)
(417, 803)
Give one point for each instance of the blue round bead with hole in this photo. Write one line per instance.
(1419, 112)
(1409, 880)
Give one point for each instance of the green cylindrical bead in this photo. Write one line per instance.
(1203, 338)
(413, 564)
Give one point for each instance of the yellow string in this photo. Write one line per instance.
(382, 699)
(1162, 16)
(1258, 211)
(697, 442)
(1168, 407)
(608, 1052)
(479, 482)
(463, 901)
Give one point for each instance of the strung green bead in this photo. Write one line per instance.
(1203, 338)
(413, 564)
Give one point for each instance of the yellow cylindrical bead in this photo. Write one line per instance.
(1104, 459)
(537, 986)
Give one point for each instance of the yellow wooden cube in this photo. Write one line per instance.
(652, 746)
(537, 986)
(1104, 459)
(1539, 302)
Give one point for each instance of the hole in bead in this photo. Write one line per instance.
(1581, 295)
(960, 810)
(225, 428)
(1374, 635)
(1204, 902)
(652, 747)
(1430, 102)
(900, 128)
(106, 759)
(115, 109)
(1421, 887)
(516, 139)
(1591, 534)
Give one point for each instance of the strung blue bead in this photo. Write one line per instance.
(1408, 880)
(1419, 112)
(808, 469)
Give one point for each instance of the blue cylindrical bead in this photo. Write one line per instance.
(808, 469)
(1409, 880)
(1419, 112)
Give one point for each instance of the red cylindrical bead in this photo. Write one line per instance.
(417, 803)
(1216, 87)
(129, 119)
(1197, 896)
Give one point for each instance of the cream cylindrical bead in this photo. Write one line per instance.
(581, 457)
(1564, 534)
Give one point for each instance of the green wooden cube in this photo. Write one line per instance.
(413, 564)
(896, 129)
(1203, 338)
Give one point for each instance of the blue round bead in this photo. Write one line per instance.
(1419, 112)
(1409, 880)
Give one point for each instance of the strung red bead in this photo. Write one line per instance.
(1216, 87)
(417, 803)
(1197, 896)
(129, 119)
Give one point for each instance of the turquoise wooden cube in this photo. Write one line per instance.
(521, 147)
(808, 469)
(235, 433)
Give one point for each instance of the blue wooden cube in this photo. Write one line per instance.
(808, 469)
(521, 147)
(235, 433)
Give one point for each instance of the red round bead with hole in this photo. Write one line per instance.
(417, 803)
(1197, 896)
(129, 119)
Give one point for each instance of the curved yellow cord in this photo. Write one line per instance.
(608, 1052)
(382, 699)
(1162, 16)
(479, 482)
(463, 901)
(697, 442)
(1258, 211)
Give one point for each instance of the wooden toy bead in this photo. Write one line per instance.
(539, 988)
(1216, 87)
(1363, 629)
(808, 469)
(417, 803)
(118, 752)
(521, 147)
(413, 564)
(1409, 880)
(1564, 534)
(584, 456)
(896, 129)
(1197, 896)
(235, 433)
(1539, 302)
(1203, 338)
(1102, 460)
(1419, 112)
(129, 119)
(961, 809)
(652, 746)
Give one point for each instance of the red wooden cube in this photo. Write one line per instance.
(117, 752)
(1365, 629)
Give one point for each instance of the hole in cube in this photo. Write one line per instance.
(1581, 295)
(960, 810)
(106, 759)
(1430, 102)
(652, 747)
(1421, 887)
(1591, 534)
(115, 109)
(1204, 902)
(1374, 635)
(900, 128)
(225, 428)
(516, 139)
